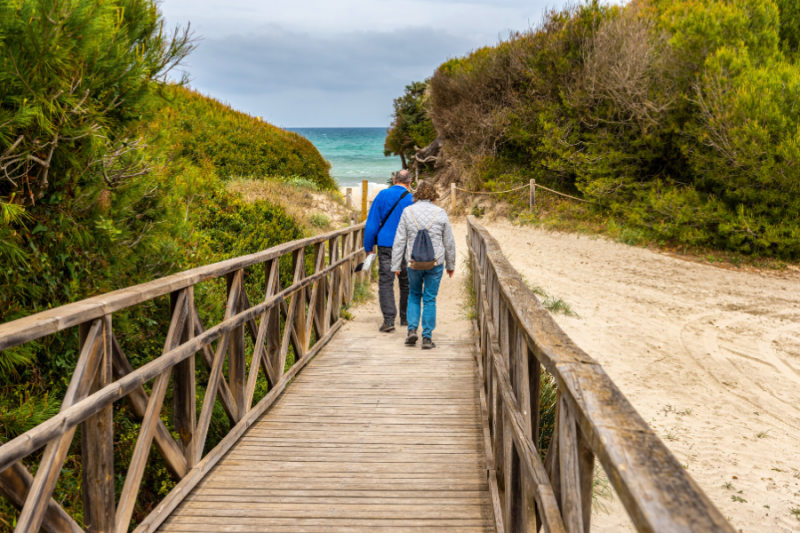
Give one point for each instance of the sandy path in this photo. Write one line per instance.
(710, 356)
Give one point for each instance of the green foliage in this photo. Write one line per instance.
(410, 124)
(199, 129)
(547, 412)
(679, 117)
(109, 177)
(319, 220)
(790, 26)
(75, 77)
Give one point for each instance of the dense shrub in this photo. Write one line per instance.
(200, 128)
(680, 117)
(110, 177)
(410, 124)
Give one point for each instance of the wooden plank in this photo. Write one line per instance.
(354, 453)
(155, 518)
(653, 487)
(138, 399)
(133, 478)
(207, 356)
(184, 395)
(66, 420)
(236, 361)
(571, 507)
(15, 483)
(32, 514)
(54, 320)
(97, 445)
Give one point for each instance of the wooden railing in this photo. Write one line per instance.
(287, 316)
(517, 337)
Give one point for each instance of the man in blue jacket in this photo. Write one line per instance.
(384, 215)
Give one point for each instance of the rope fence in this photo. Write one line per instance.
(451, 193)
(532, 196)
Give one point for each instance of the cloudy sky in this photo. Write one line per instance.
(327, 63)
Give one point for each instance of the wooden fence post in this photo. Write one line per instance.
(237, 371)
(97, 444)
(364, 195)
(348, 199)
(184, 399)
(453, 199)
(532, 198)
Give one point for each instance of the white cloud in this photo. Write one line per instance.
(323, 63)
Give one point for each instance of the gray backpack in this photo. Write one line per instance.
(423, 256)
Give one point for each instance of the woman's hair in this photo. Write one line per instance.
(426, 191)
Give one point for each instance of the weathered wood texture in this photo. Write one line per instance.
(516, 336)
(71, 315)
(104, 375)
(372, 436)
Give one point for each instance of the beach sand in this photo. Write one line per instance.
(374, 189)
(709, 356)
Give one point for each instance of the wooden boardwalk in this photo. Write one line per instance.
(371, 436)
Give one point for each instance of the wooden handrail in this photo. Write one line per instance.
(286, 318)
(70, 315)
(516, 338)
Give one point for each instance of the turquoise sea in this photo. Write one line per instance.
(355, 154)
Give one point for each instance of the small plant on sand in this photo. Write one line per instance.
(601, 489)
(728, 485)
(319, 220)
(763, 434)
(362, 290)
(739, 499)
(671, 436)
(795, 512)
(547, 411)
(301, 182)
(554, 304)
(469, 304)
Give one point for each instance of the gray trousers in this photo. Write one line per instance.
(386, 286)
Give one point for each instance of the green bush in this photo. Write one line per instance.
(199, 128)
(680, 118)
(411, 125)
(111, 178)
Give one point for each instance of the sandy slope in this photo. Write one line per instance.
(710, 356)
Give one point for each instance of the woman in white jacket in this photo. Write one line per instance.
(424, 284)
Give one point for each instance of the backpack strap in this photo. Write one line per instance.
(433, 219)
(391, 211)
(411, 212)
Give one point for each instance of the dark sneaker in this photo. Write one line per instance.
(411, 340)
(427, 343)
(403, 322)
(386, 327)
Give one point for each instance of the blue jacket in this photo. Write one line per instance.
(380, 208)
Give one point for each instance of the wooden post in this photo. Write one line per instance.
(299, 268)
(364, 194)
(237, 371)
(532, 197)
(184, 399)
(97, 444)
(348, 199)
(452, 198)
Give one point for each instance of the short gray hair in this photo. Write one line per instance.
(403, 176)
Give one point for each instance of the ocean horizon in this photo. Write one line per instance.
(355, 154)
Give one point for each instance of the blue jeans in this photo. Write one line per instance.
(423, 286)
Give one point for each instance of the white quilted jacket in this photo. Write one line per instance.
(423, 214)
